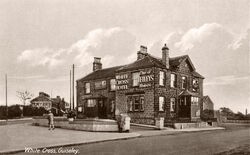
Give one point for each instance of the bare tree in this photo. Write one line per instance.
(24, 96)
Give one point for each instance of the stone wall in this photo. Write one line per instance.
(79, 124)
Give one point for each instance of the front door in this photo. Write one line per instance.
(185, 107)
(102, 109)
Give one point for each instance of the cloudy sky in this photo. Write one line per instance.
(40, 40)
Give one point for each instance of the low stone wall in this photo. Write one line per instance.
(144, 120)
(235, 121)
(80, 124)
(190, 125)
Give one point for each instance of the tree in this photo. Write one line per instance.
(24, 96)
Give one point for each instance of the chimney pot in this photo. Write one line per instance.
(97, 65)
(165, 56)
(142, 53)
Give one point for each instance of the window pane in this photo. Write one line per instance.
(112, 84)
(172, 104)
(91, 103)
(130, 103)
(136, 103)
(142, 104)
(173, 80)
(161, 103)
(100, 84)
(87, 88)
(184, 82)
(161, 82)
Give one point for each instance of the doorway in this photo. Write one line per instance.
(185, 107)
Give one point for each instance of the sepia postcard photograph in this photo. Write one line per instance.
(125, 77)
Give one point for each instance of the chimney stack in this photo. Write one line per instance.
(97, 65)
(165, 56)
(142, 53)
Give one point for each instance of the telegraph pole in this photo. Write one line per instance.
(6, 97)
(73, 82)
(70, 89)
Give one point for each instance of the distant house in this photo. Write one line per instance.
(207, 103)
(45, 101)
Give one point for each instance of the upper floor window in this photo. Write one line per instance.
(100, 84)
(161, 78)
(87, 88)
(112, 84)
(173, 82)
(195, 84)
(135, 78)
(161, 103)
(172, 105)
(183, 82)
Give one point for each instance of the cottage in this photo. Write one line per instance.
(145, 89)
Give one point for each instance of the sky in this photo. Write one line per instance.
(40, 40)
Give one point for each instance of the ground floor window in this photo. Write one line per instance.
(172, 105)
(194, 100)
(161, 103)
(135, 103)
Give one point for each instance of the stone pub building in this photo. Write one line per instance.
(145, 89)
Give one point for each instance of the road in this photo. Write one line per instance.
(195, 143)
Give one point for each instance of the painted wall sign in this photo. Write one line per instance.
(121, 81)
(146, 77)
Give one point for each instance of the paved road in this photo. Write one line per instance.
(197, 143)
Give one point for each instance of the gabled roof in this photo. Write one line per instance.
(102, 73)
(146, 62)
(196, 74)
(176, 61)
(187, 93)
(206, 98)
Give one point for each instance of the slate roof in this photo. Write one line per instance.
(146, 62)
(103, 73)
(206, 98)
(188, 93)
(196, 74)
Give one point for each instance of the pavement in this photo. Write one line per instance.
(17, 137)
(147, 132)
